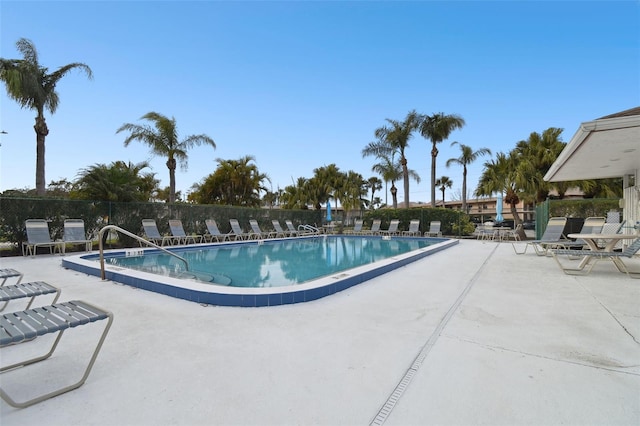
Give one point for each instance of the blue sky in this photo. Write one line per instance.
(303, 84)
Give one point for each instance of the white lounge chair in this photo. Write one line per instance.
(591, 257)
(214, 232)
(393, 228)
(74, 234)
(151, 230)
(280, 232)
(357, 228)
(238, 233)
(258, 233)
(414, 229)
(293, 232)
(375, 228)
(38, 236)
(30, 324)
(434, 229)
(552, 238)
(181, 237)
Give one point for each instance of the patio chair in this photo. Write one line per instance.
(177, 231)
(6, 273)
(38, 236)
(74, 234)
(434, 229)
(279, 231)
(591, 257)
(214, 232)
(393, 228)
(552, 238)
(237, 231)
(357, 228)
(375, 228)
(27, 325)
(151, 231)
(611, 228)
(414, 229)
(512, 233)
(257, 233)
(292, 229)
(591, 225)
(30, 290)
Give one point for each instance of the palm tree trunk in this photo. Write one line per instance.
(434, 154)
(464, 188)
(42, 131)
(394, 195)
(171, 165)
(405, 174)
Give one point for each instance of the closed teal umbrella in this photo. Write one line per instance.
(328, 211)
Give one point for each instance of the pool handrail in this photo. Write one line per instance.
(136, 237)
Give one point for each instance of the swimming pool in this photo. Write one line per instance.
(260, 273)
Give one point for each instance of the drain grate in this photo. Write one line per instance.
(391, 402)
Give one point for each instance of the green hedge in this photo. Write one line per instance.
(96, 214)
(454, 222)
(593, 207)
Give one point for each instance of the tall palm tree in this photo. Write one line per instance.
(374, 184)
(501, 175)
(396, 136)
(443, 183)
(467, 156)
(163, 140)
(437, 128)
(30, 84)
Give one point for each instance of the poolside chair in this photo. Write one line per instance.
(293, 232)
(375, 228)
(393, 228)
(611, 228)
(414, 229)
(434, 229)
(279, 231)
(214, 232)
(591, 225)
(27, 325)
(177, 231)
(552, 238)
(6, 273)
(74, 234)
(153, 235)
(30, 290)
(237, 231)
(591, 257)
(257, 233)
(512, 233)
(38, 236)
(357, 228)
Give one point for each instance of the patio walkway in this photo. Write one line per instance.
(471, 335)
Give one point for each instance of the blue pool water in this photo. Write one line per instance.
(271, 263)
(264, 273)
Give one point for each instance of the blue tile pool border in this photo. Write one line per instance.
(250, 297)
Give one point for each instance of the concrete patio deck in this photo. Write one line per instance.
(472, 335)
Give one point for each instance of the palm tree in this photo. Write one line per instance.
(467, 156)
(437, 128)
(29, 84)
(443, 183)
(374, 184)
(397, 135)
(163, 140)
(234, 182)
(501, 175)
(118, 181)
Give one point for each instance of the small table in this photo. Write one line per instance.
(612, 240)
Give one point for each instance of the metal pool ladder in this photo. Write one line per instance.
(136, 237)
